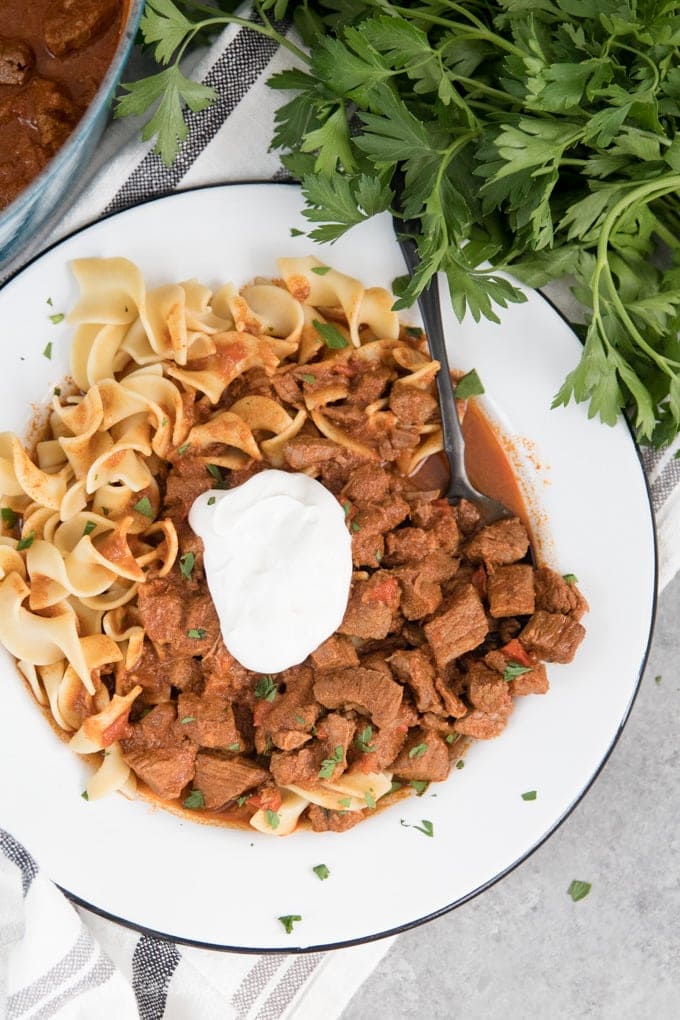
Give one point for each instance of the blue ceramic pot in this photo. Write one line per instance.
(24, 217)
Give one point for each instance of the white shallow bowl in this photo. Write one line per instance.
(587, 493)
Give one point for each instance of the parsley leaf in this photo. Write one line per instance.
(288, 920)
(273, 818)
(194, 800)
(26, 543)
(321, 871)
(9, 517)
(470, 385)
(197, 633)
(266, 689)
(186, 564)
(529, 795)
(328, 765)
(418, 751)
(363, 740)
(513, 670)
(579, 890)
(330, 334)
(143, 506)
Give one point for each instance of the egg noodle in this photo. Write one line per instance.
(82, 512)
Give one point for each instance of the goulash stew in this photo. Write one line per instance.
(53, 55)
(103, 597)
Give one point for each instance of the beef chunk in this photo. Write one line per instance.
(371, 607)
(409, 545)
(533, 682)
(221, 779)
(157, 728)
(424, 757)
(323, 820)
(293, 768)
(487, 690)
(556, 595)
(504, 542)
(304, 452)
(157, 672)
(337, 651)
(453, 705)
(439, 518)
(386, 742)
(419, 596)
(188, 478)
(368, 690)
(44, 109)
(367, 483)
(412, 406)
(415, 669)
(16, 60)
(165, 770)
(294, 709)
(468, 517)
(178, 613)
(369, 386)
(460, 628)
(552, 636)
(209, 721)
(510, 590)
(71, 25)
(482, 725)
(222, 673)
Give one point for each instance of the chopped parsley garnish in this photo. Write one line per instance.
(460, 764)
(25, 543)
(197, 633)
(143, 506)
(266, 689)
(513, 670)
(57, 318)
(321, 270)
(370, 800)
(395, 786)
(346, 506)
(216, 472)
(321, 871)
(420, 786)
(355, 526)
(49, 302)
(212, 500)
(330, 334)
(529, 795)
(85, 795)
(89, 528)
(186, 564)
(328, 764)
(234, 747)
(181, 450)
(363, 740)
(426, 826)
(57, 391)
(469, 386)
(9, 518)
(47, 353)
(450, 737)
(308, 378)
(418, 751)
(415, 332)
(658, 679)
(345, 802)
(164, 422)
(194, 799)
(294, 232)
(288, 920)
(579, 890)
(273, 818)
(242, 799)
(570, 578)
(187, 719)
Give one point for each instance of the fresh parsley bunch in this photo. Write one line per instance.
(533, 137)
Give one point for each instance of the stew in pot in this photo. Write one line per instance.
(53, 56)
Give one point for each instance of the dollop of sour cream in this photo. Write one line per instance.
(278, 562)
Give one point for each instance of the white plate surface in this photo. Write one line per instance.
(586, 489)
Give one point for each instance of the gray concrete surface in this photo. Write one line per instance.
(523, 948)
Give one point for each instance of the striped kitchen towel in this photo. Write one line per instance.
(59, 961)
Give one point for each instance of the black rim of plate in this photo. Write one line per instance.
(408, 925)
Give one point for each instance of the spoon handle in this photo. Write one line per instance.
(430, 311)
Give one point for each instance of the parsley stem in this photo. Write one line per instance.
(232, 19)
(462, 31)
